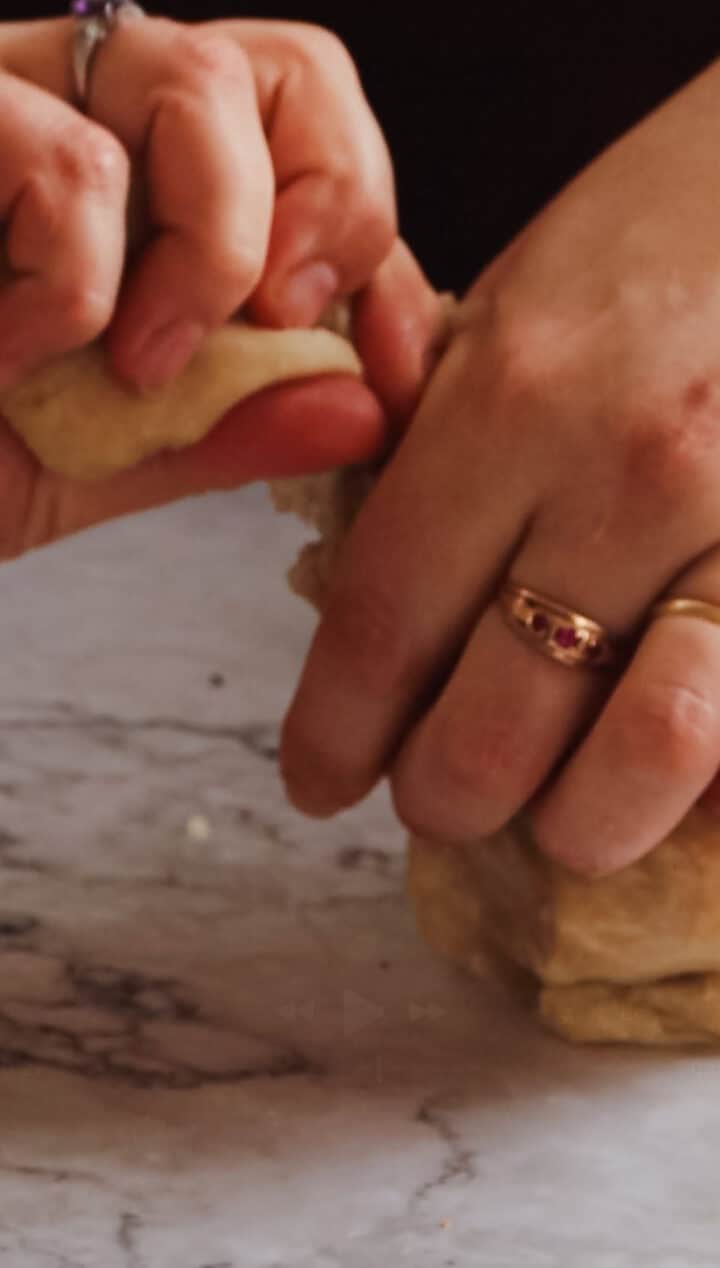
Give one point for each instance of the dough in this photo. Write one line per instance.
(83, 423)
(632, 958)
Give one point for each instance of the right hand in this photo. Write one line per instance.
(569, 442)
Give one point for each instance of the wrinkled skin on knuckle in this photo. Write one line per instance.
(88, 159)
(36, 508)
(352, 192)
(17, 497)
(234, 261)
(202, 57)
(83, 309)
(667, 731)
(44, 520)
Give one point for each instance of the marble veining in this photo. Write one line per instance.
(222, 1044)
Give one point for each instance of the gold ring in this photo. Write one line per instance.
(556, 630)
(687, 607)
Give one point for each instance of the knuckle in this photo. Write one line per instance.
(235, 262)
(364, 633)
(86, 158)
(45, 517)
(474, 760)
(457, 782)
(85, 311)
(323, 48)
(17, 499)
(529, 355)
(666, 452)
(375, 224)
(33, 512)
(668, 730)
(202, 57)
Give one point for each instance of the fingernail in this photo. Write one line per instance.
(165, 353)
(307, 292)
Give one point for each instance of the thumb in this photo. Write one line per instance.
(291, 429)
(400, 329)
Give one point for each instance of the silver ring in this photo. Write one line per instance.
(95, 20)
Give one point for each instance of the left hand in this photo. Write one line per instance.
(569, 440)
(289, 430)
(286, 430)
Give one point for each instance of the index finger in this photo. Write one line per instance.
(335, 217)
(419, 565)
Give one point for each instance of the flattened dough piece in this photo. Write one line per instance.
(80, 421)
(629, 958)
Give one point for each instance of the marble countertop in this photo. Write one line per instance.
(222, 1044)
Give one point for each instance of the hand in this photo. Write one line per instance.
(287, 430)
(269, 185)
(569, 440)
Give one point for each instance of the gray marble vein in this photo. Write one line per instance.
(222, 1044)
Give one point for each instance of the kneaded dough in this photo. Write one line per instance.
(82, 422)
(629, 958)
(633, 957)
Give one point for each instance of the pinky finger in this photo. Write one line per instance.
(650, 756)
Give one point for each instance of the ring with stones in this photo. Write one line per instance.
(556, 630)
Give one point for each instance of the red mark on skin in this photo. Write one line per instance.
(666, 457)
(697, 394)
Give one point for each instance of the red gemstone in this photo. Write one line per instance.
(565, 637)
(539, 623)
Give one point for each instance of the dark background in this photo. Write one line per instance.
(490, 108)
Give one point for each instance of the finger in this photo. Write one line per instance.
(399, 326)
(650, 755)
(409, 588)
(499, 727)
(335, 219)
(335, 212)
(509, 713)
(190, 108)
(291, 429)
(63, 187)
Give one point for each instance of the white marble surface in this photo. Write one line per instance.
(235, 1052)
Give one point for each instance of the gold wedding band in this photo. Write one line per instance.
(687, 607)
(556, 630)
